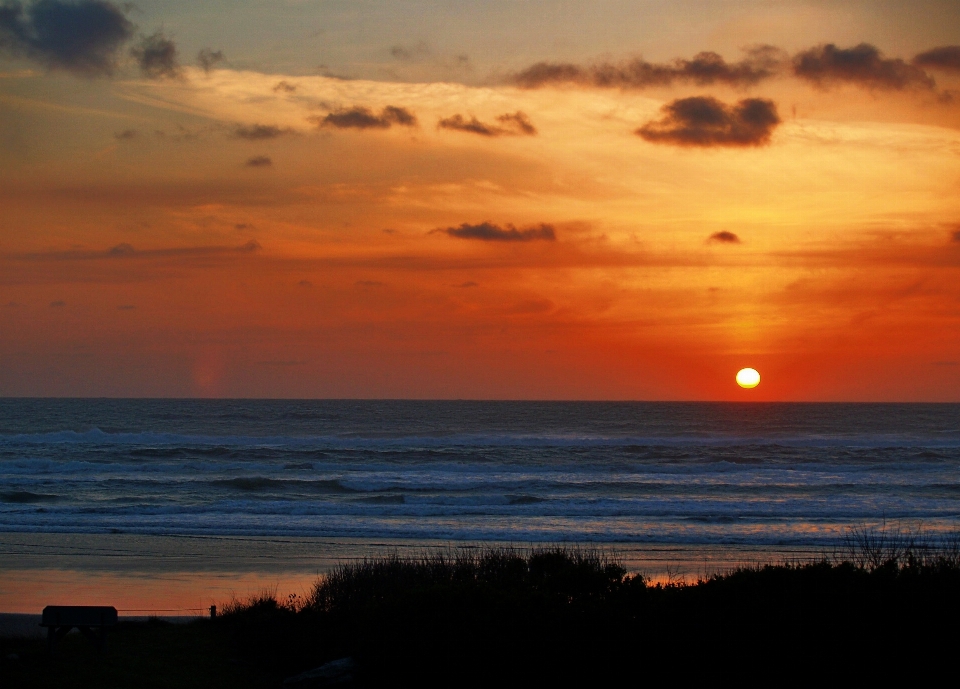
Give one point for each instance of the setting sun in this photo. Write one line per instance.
(748, 378)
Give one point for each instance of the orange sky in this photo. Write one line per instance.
(268, 227)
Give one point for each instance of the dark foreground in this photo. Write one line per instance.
(888, 608)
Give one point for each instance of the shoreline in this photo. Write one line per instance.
(186, 574)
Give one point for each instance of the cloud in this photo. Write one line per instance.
(414, 53)
(363, 118)
(208, 59)
(510, 124)
(724, 237)
(469, 283)
(862, 65)
(706, 68)
(123, 249)
(488, 232)
(705, 121)
(368, 283)
(956, 236)
(945, 57)
(126, 307)
(157, 56)
(57, 304)
(285, 87)
(259, 132)
(79, 37)
(126, 135)
(259, 161)
(304, 283)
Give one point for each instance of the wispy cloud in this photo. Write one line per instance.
(359, 117)
(208, 59)
(260, 132)
(488, 232)
(157, 56)
(704, 69)
(705, 121)
(509, 124)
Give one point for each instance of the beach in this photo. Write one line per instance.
(176, 505)
(170, 576)
(419, 538)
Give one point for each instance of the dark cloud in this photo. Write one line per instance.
(519, 122)
(208, 59)
(126, 307)
(157, 56)
(956, 236)
(725, 237)
(705, 121)
(704, 69)
(259, 132)
(304, 283)
(488, 232)
(862, 65)
(259, 161)
(57, 304)
(285, 87)
(363, 118)
(80, 37)
(469, 283)
(121, 250)
(126, 135)
(945, 57)
(414, 53)
(509, 124)
(368, 283)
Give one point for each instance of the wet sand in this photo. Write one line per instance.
(172, 576)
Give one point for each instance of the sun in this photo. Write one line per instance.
(748, 378)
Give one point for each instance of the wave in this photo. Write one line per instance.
(168, 444)
(261, 483)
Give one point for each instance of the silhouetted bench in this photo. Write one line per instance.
(60, 619)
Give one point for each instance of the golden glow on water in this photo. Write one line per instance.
(748, 378)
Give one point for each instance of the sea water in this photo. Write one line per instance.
(763, 475)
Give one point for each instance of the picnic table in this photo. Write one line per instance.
(60, 619)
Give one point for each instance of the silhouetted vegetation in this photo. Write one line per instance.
(887, 602)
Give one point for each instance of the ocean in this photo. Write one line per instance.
(761, 475)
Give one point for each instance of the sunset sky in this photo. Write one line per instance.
(505, 199)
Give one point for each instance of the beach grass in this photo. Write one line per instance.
(887, 600)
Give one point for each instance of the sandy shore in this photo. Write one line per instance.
(172, 576)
